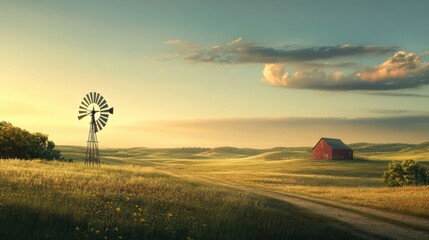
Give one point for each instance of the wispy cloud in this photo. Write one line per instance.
(396, 112)
(396, 94)
(240, 51)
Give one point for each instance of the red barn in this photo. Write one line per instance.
(331, 149)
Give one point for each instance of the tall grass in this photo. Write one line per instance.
(52, 200)
(356, 182)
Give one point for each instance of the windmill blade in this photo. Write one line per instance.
(97, 95)
(104, 118)
(104, 106)
(99, 127)
(102, 123)
(102, 103)
(89, 97)
(83, 108)
(80, 112)
(110, 110)
(84, 104)
(104, 115)
(91, 94)
(82, 116)
(86, 99)
(100, 100)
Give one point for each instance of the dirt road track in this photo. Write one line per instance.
(365, 222)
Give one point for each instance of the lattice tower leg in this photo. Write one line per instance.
(92, 157)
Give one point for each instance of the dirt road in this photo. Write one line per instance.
(364, 222)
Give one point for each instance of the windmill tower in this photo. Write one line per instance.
(94, 105)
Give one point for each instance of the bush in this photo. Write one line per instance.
(405, 173)
(19, 143)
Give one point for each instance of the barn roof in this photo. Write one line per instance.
(335, 143)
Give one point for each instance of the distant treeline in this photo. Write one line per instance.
(19, 143)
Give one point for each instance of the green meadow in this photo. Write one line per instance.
(138, 193)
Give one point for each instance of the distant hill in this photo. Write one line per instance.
(373, 147)
(117, 154)
(391, 151)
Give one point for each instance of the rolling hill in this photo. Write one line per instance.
(393, 151)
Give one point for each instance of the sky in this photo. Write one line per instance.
(239, 73)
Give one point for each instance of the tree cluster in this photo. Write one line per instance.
(405, 173)
(19, 143)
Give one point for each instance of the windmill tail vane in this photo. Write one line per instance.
(94, 105)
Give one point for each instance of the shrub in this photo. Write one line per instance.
(405, 173)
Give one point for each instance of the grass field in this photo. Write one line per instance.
(52, 200)
(357, 182)
(132, 197)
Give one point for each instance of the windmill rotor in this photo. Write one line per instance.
(95, 106)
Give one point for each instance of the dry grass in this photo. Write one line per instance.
(357, 182)
(52, 200)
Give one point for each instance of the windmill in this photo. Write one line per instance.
(94, 105)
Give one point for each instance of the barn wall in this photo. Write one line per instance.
(339, 154)
(322, 151)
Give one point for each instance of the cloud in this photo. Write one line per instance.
(401, 71)
(240, 51)
(183, 45)
(314, 65)
(401, 65)
(396, 94)
(271, 132)
(391, 111)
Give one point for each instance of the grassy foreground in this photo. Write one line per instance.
(356, 182)
(52, 200)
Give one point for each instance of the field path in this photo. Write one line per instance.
(379, 224)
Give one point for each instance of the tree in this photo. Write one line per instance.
(405, 173)
(19, 143)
